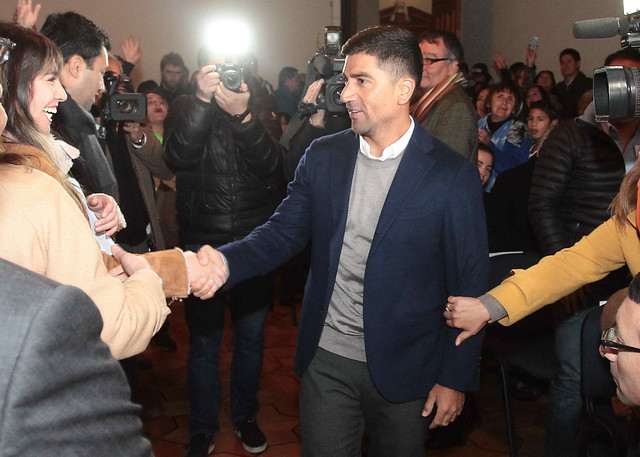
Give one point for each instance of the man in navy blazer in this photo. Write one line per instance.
(397, 225)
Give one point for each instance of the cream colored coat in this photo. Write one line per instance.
(604, 250)
(43, 230)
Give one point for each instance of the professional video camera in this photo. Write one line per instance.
(616, 89)
(327, 64)
(120, 103)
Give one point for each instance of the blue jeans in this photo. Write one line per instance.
(249, 304)
(565, 397)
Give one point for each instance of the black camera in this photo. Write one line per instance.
(328, 64)
(616, 89)
(231, 76)
(120, 103)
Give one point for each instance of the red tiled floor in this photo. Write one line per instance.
(166, 384)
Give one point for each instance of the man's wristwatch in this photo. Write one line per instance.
(238, 118)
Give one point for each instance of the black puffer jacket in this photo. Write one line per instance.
(576, 176)
(227, 174)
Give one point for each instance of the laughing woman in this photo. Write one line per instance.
(45, 226)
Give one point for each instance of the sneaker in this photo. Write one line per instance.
(200, 445)
(253, 440)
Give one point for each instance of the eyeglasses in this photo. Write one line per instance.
(608, 337)
(429, 61)
(5, 47)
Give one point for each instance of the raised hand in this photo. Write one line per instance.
(317, 119)
(131, 50)
(26, 14)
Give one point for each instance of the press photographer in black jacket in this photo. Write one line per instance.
(227, 171)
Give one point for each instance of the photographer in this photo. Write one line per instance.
(136, 155)
(226, 182)
(314, 125)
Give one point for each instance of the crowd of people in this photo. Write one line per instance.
(393, 204)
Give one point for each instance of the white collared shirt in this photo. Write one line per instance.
(393, 150)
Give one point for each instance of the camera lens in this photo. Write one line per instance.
(232, 80)
(126, 107)
(615, 93)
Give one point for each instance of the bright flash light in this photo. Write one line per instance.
(228, 37)
(631, 6)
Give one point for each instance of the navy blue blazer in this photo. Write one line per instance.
(430, 243)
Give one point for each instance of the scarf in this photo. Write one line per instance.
(422, 106)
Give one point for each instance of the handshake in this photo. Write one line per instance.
(206, 270)
(208, 273)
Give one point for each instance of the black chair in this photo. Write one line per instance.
(527, 346)
(597, 388)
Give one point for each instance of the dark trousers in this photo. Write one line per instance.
(339, 402)
(249, 304)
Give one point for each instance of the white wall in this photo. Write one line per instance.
(507, 25)
(284, 31)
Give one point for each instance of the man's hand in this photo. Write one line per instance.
(107, 211)
(131, 50)
(25, 14)
(207, 272)
(208, 81)
(233, 102)
(317, 119)
(466, 313)
(129, 263)
(449, 403)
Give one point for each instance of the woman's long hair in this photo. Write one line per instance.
(34, 54)
(627, 199)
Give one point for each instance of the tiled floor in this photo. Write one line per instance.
(165, 384)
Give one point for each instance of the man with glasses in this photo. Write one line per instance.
(445, 109)
(620, 344)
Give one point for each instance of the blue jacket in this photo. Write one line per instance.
(430, 243)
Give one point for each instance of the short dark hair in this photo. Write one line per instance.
(147, 86)
(572, 52)
(286, 73)
(173, 58)
(396, 49)
(544, 105)
(75, 34)
(450, 41)
(483, 147)
(628, 54)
